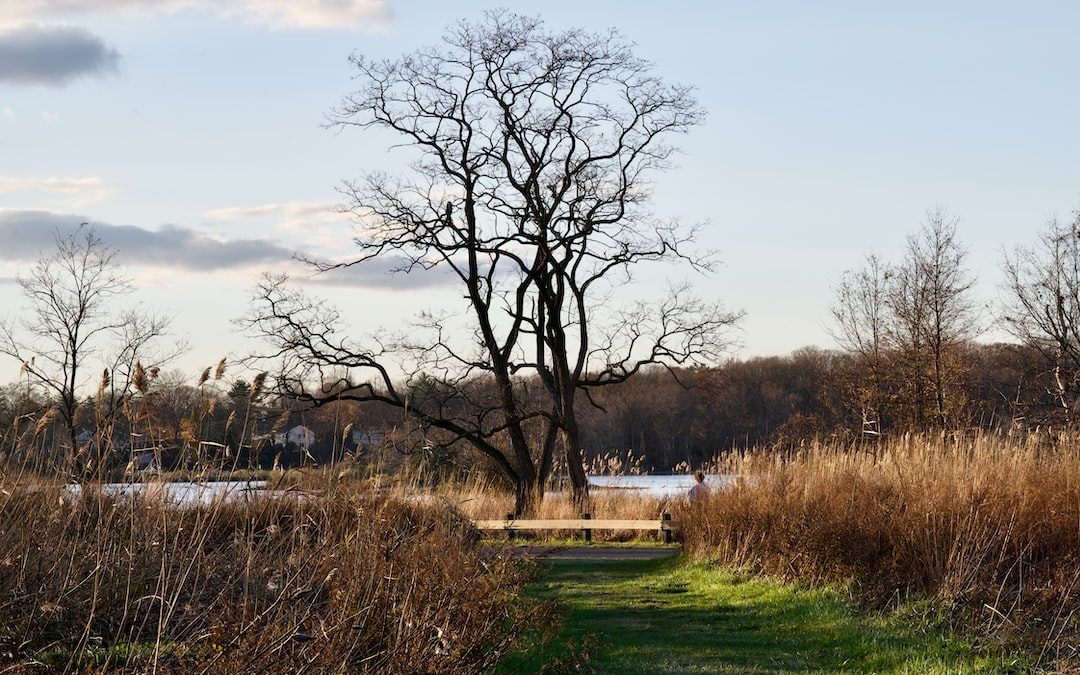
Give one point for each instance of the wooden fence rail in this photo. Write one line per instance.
(585, 524)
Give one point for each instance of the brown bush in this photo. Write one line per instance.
(989, 529)
(328, 583)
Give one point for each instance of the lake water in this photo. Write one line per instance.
(204, 493)
(658, 485)
(183, 492)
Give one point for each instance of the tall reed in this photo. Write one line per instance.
(989, 528)
(341, 582)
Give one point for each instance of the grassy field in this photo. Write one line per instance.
(671, 616)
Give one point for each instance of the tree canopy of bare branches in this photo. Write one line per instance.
(529, 185)
(861, 325)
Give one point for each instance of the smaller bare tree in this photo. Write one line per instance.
(1042, 304)
(934, 311)
(68, 321)
(907, 323)
(861, 326)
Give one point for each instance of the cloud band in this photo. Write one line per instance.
(29, 234)
(52, 55)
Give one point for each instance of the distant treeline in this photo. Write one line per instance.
(813, 393)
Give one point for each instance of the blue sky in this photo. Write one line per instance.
(832, 128)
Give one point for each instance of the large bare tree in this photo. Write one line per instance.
(529, 187)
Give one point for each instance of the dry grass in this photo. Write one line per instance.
(988, 528)
(273, 584)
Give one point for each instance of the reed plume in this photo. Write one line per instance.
(257, 386)
(45, 420)
(139, 380)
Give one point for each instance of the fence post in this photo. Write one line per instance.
(665, 519)
(509, 530)
(587, 532)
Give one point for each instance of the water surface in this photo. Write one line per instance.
(181, 492)
(658, 485)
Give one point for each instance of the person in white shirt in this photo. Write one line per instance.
(700, 491)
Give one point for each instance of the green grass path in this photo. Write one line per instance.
(668, 616)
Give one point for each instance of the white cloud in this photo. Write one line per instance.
(9, 113)
(16, 10)
(308, 14)
(241, 213)
(317, 13)
(49, 117)
(82, 191)
(314, 224)
(50, 184)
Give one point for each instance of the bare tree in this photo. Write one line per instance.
(529, 187)
(136, 344)
(68, 321)
(1042, 304)
(861, 320)
(934, 311)
(907, 323)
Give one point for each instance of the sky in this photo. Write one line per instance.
(191, 133)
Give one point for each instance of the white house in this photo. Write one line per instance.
(300, 436)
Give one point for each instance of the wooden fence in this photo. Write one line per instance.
(585, 524)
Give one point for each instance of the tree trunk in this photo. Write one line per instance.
(527, 496)
(579, 482)
(939, 387)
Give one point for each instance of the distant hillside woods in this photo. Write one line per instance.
(782, 400)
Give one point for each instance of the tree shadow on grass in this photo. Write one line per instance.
(664, 616)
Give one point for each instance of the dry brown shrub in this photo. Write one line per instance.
(987, 527)
(339, 582)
